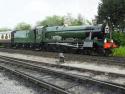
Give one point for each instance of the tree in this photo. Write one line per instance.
(113, 9)
(79, 19)
(76, 21)
(60, 20)
(51, 21)
(23, 26)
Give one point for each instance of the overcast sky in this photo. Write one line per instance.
(31, 11)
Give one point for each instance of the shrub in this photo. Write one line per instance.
(119, 38)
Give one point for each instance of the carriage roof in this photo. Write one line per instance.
(3, 32)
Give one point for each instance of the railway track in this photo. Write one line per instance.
(118, 61)
(64, 67)
(59, 73)
(52, 88)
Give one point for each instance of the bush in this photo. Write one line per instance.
(119, 52)
(119, 38)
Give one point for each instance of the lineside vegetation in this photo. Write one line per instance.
(119, 38)
(119, 51)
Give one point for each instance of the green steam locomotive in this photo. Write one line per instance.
(87, 39)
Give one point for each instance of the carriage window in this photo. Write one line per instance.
(2, 37)
(6, 37)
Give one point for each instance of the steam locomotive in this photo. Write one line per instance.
(86, 39)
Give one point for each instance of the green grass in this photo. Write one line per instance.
(119, 52)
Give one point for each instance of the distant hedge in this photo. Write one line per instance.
(119, 38)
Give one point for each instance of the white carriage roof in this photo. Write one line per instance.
(2, 32)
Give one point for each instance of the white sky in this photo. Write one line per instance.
(31, 11)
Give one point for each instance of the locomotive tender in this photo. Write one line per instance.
(82, 39)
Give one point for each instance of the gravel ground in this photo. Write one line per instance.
(11, 84)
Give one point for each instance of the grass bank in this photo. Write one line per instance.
(119, 52)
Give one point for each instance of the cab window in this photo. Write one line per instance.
(38, 31)
(98, 35)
